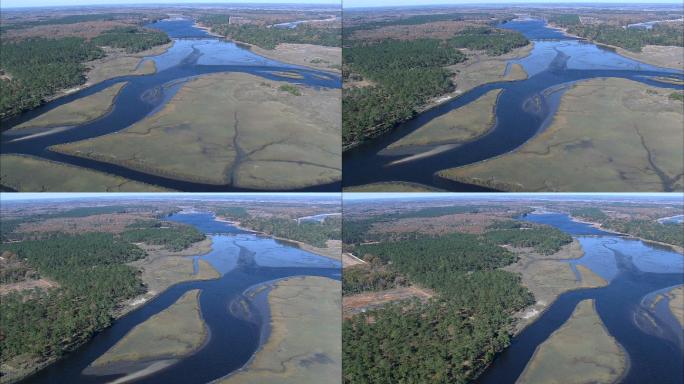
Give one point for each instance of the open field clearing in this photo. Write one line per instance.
(457, 126)
(307, 55)
(304, 344)
(232, 128)
(176, 331)
(77, 112)
(49, 176)
(608, 135)
(108, 222)
(581, 351)
(354, 304)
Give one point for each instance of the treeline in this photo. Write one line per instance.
(269, 37)
(632, 39)
(232, 213)
(493, 41)
(544, 239)
(313, 233)
(132, 39)
(174, 237)
(38, 68)
(564, 20)
(355, 231)
(93, 279)
(669, 233)
(406, 75)
(589, 213)
(449, 339)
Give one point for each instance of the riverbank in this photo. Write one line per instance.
(304, 342)
(333, 250)
(570, 155)
(580, 351)
(276, 141)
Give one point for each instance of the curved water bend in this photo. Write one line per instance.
(194, 53)
(523, 108)
(234, 337)
(634, 270)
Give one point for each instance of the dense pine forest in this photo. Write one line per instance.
(631, 39)
(171, 236)
(131, 39)
(268, 37)
(406, 75)
(669, 233)
(309, 232)
(93, 278)
(37, 68)
(429, 341)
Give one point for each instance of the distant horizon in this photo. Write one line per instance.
(19, 4)
(349, 4)
(37, 196)
(504, 195)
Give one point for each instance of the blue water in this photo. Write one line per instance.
(634, 270)
(523, 109)
(243, 260)
(194, 53)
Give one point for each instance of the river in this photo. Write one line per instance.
(244, 260)
(194, 53)
(636, 271)
(523, 109)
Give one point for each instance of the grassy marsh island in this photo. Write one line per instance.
(77, 112)
(599, 140)
(47, 176)
(233, 129)
(304, 345)
(580, 351)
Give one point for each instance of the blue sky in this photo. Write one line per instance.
(51, 3)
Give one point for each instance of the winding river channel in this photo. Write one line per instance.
(523, 109)
(244, 260)
(636, 272)
(194, 53)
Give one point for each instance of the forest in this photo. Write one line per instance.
(93, 278)
(669, 233)
(494, 42)
(448, 339)
(543, 239)
(631, 39)
(406, 75)
(564, 20)
(232, 213)
(174, 237)
(309, 232)
(589, 213)
(131, 39)
(38, 68)
(269, 38)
